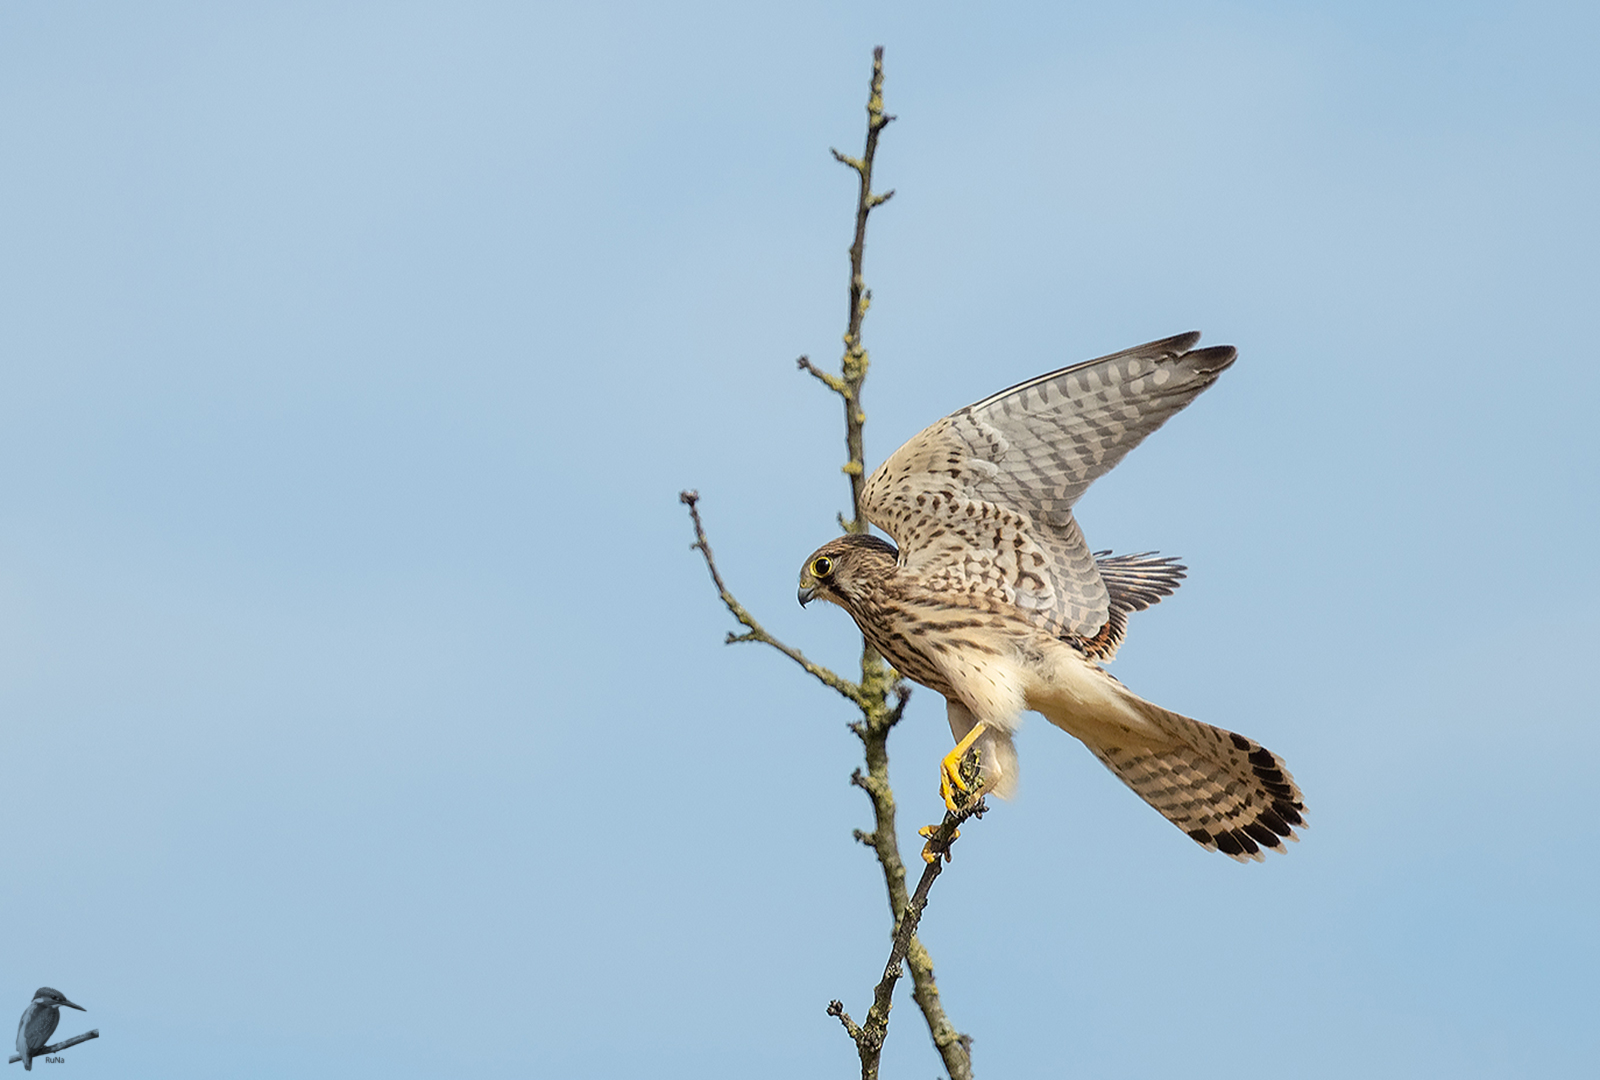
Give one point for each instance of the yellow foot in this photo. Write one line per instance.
(950, 780)
(928, 854)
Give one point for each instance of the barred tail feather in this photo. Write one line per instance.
(1227, 792)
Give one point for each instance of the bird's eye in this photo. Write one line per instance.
(821, 567)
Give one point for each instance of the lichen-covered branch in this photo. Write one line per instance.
(878, 680)
(879, 684)
(869, 1035)
(854, 366)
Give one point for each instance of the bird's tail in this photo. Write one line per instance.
(1228, 792)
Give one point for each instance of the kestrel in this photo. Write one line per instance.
(990, 596)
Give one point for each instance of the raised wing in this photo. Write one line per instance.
(981, 502)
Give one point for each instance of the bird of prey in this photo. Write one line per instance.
(990, 595)
(39, 1022)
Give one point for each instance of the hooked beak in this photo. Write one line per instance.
(807, 592)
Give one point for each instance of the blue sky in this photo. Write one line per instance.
(367, 714)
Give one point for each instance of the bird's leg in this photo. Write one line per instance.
(956, 772)
(950, 779)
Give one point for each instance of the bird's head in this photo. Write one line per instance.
(48, 996)
(840, 570)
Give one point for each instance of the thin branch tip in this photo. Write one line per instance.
(832, 382)
(845, 159)
(754, 630)
(836, 1008)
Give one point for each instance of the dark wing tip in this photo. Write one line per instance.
(1177, 343)
(1212, 360)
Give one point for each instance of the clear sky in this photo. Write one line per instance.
(365, 712)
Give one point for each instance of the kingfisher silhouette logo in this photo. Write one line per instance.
(39, 1022)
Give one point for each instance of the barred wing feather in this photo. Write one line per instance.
(980, 503)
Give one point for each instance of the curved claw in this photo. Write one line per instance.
(950, 780)
(949, 783)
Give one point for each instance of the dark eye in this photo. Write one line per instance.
(821, 567)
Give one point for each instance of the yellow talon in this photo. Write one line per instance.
(950, 780)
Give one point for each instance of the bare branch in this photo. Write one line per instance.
(62, 1045)
(854, 364)
(836, 1008)
(828, 379)
(756, 632)
(940, 840)
(879, 682)
(845, 159)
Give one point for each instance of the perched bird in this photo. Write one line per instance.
(39, 1022)
(990, 596)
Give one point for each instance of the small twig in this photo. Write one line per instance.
(58, 1047)
(756, 632)
(827, 378)
(836, 1008)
